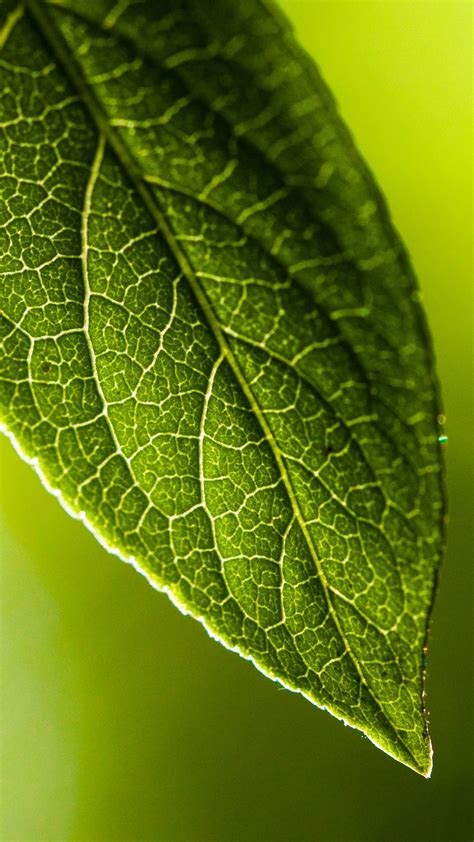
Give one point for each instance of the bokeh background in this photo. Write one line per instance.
(121, 719)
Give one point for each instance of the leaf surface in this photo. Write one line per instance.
(213, 347)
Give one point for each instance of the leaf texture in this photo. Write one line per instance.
(213, 347)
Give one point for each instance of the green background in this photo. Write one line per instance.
(121, 719)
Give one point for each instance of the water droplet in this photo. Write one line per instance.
(443, 440)
(441, 419)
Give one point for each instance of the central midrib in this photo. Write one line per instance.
(73, 71)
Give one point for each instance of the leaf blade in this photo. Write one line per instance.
(335, 483)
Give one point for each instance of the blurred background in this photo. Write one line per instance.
(121, 719)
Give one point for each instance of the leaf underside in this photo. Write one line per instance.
(213, 348)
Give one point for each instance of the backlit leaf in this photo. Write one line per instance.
(213, 347)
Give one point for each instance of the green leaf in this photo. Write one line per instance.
(213, 347)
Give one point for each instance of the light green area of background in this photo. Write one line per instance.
(122, 720)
